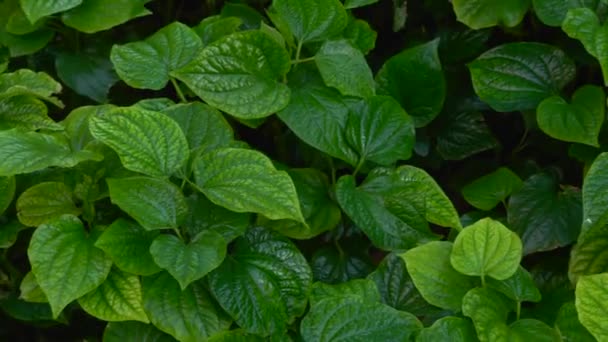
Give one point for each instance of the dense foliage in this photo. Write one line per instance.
(303, 170)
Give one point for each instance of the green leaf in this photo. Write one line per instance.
(379, 130)
(27, 113)
(478, 14)
(553, 12)
(579, 121)
(584, 25)
(518, 76)
(189, 315)
(595, 201)
(590, 254)
(128, 244)
(312, 20)
(488, 309)
(17, 23)
(25, 311)
(189, 262)
(215, 27)
(438, 282)
(591, 304)
(414, 77)
(36, 9)
(153, 203)
(30, 291)
(238, 335)
(246, 181)
(348, 319)
(96, 15)
(343, 67)
(363, 289)
(90, 75)
(118, 298)
(244, 85)
(206, 216)
(544, 217)
(147, 64)
(65, 261)
(320, 212)
(154, 104)
(532, 329)
(9, 233)
(133, 331)
(4, 58)
(264, 285)
(333, 265)
(28, 82)
(147, 142)
(569, 326)
(453, 329)
(23, 45)
(520, 286)
(45, 202)
(488, 191)
(8, 186)
(77, 124)
(348, 4)
(361, 35)
(487, 248)
(204, 127)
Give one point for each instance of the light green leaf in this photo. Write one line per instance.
(4, 58)
(27, 113)
(487, 248)
(99, 15)
(320, 212)
(45, 202)
(128, 244)
(215, 27)
(584, 25)
(264, 285)
(191, 262)
(312, 20)
(36, 9)
(592, 304)
(30, 291)
(238, 75)
(118, 298)
(488, 309)
(27, 44)
(519, 287)
(414, 77)
(90, 75)
(134, 331)
(206, 216)
(486, 192)
(452, 329)
(147, 64)
(65, 261)
(246, 181)
(438, 282)
(553, 12)
(8, 186)
(579, 121)
(343, 67)
(28, 82)
(189, 315)
(348, 4)
(531, 329)
(147, 142)
(363, 289)
(478, 14)
(569, 326)
(590, 254)
(544, 217)
(379, 130)
(153, 203)
(595, 196)
(348, 319)
(518, 76)
(204, 127)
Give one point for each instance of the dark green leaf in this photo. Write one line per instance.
(595, 199)
(133, 331)
(553, 12)
(361, 35)
(96, 15)
(569, 326)
(312, 20)
(488, 309)
(7, 192)
(88, 75)
(206, 216)
(520, 287)
(464, 134)
(332, 265)
(215, 27)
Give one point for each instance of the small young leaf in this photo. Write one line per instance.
(453, 329)
(118, 298)
(487, 248)
(592, 304)
(520, 286)
(36, 9)
(415, 78)
(189, 315)
(147, 142)
(486, 192)
(343, 67)
(153, 203)
(30, 291)
(518, 76)
(134, 331)
(579, 121)
(246, 181)
(148, 63)
(7, 192)
(95, 15)
(191, 262)
(238, 75)
(128, 244)
(478, 14)
(438, 282)
(45, 202)
(65, 261)
(312, 20)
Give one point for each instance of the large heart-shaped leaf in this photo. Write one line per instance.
(238, 74)
(579, 121)
(312, 20)
(65, 261)
(99, 15)
(478, 14)
(44, 202)
(591, 304)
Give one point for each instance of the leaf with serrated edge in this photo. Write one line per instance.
(312, 20)
(592, 304)
(45, 201)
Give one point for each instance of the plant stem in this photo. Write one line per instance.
(303, 60)
(483, 280)
(518, 309)
(178, 233)
(178, 90)
(359, 165)
(298, 51)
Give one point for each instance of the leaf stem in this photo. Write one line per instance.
(179, 234)
(178, 90)
(303, 60)
(518, 309)
(483, 280)
(359, 165)
(298, 51)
